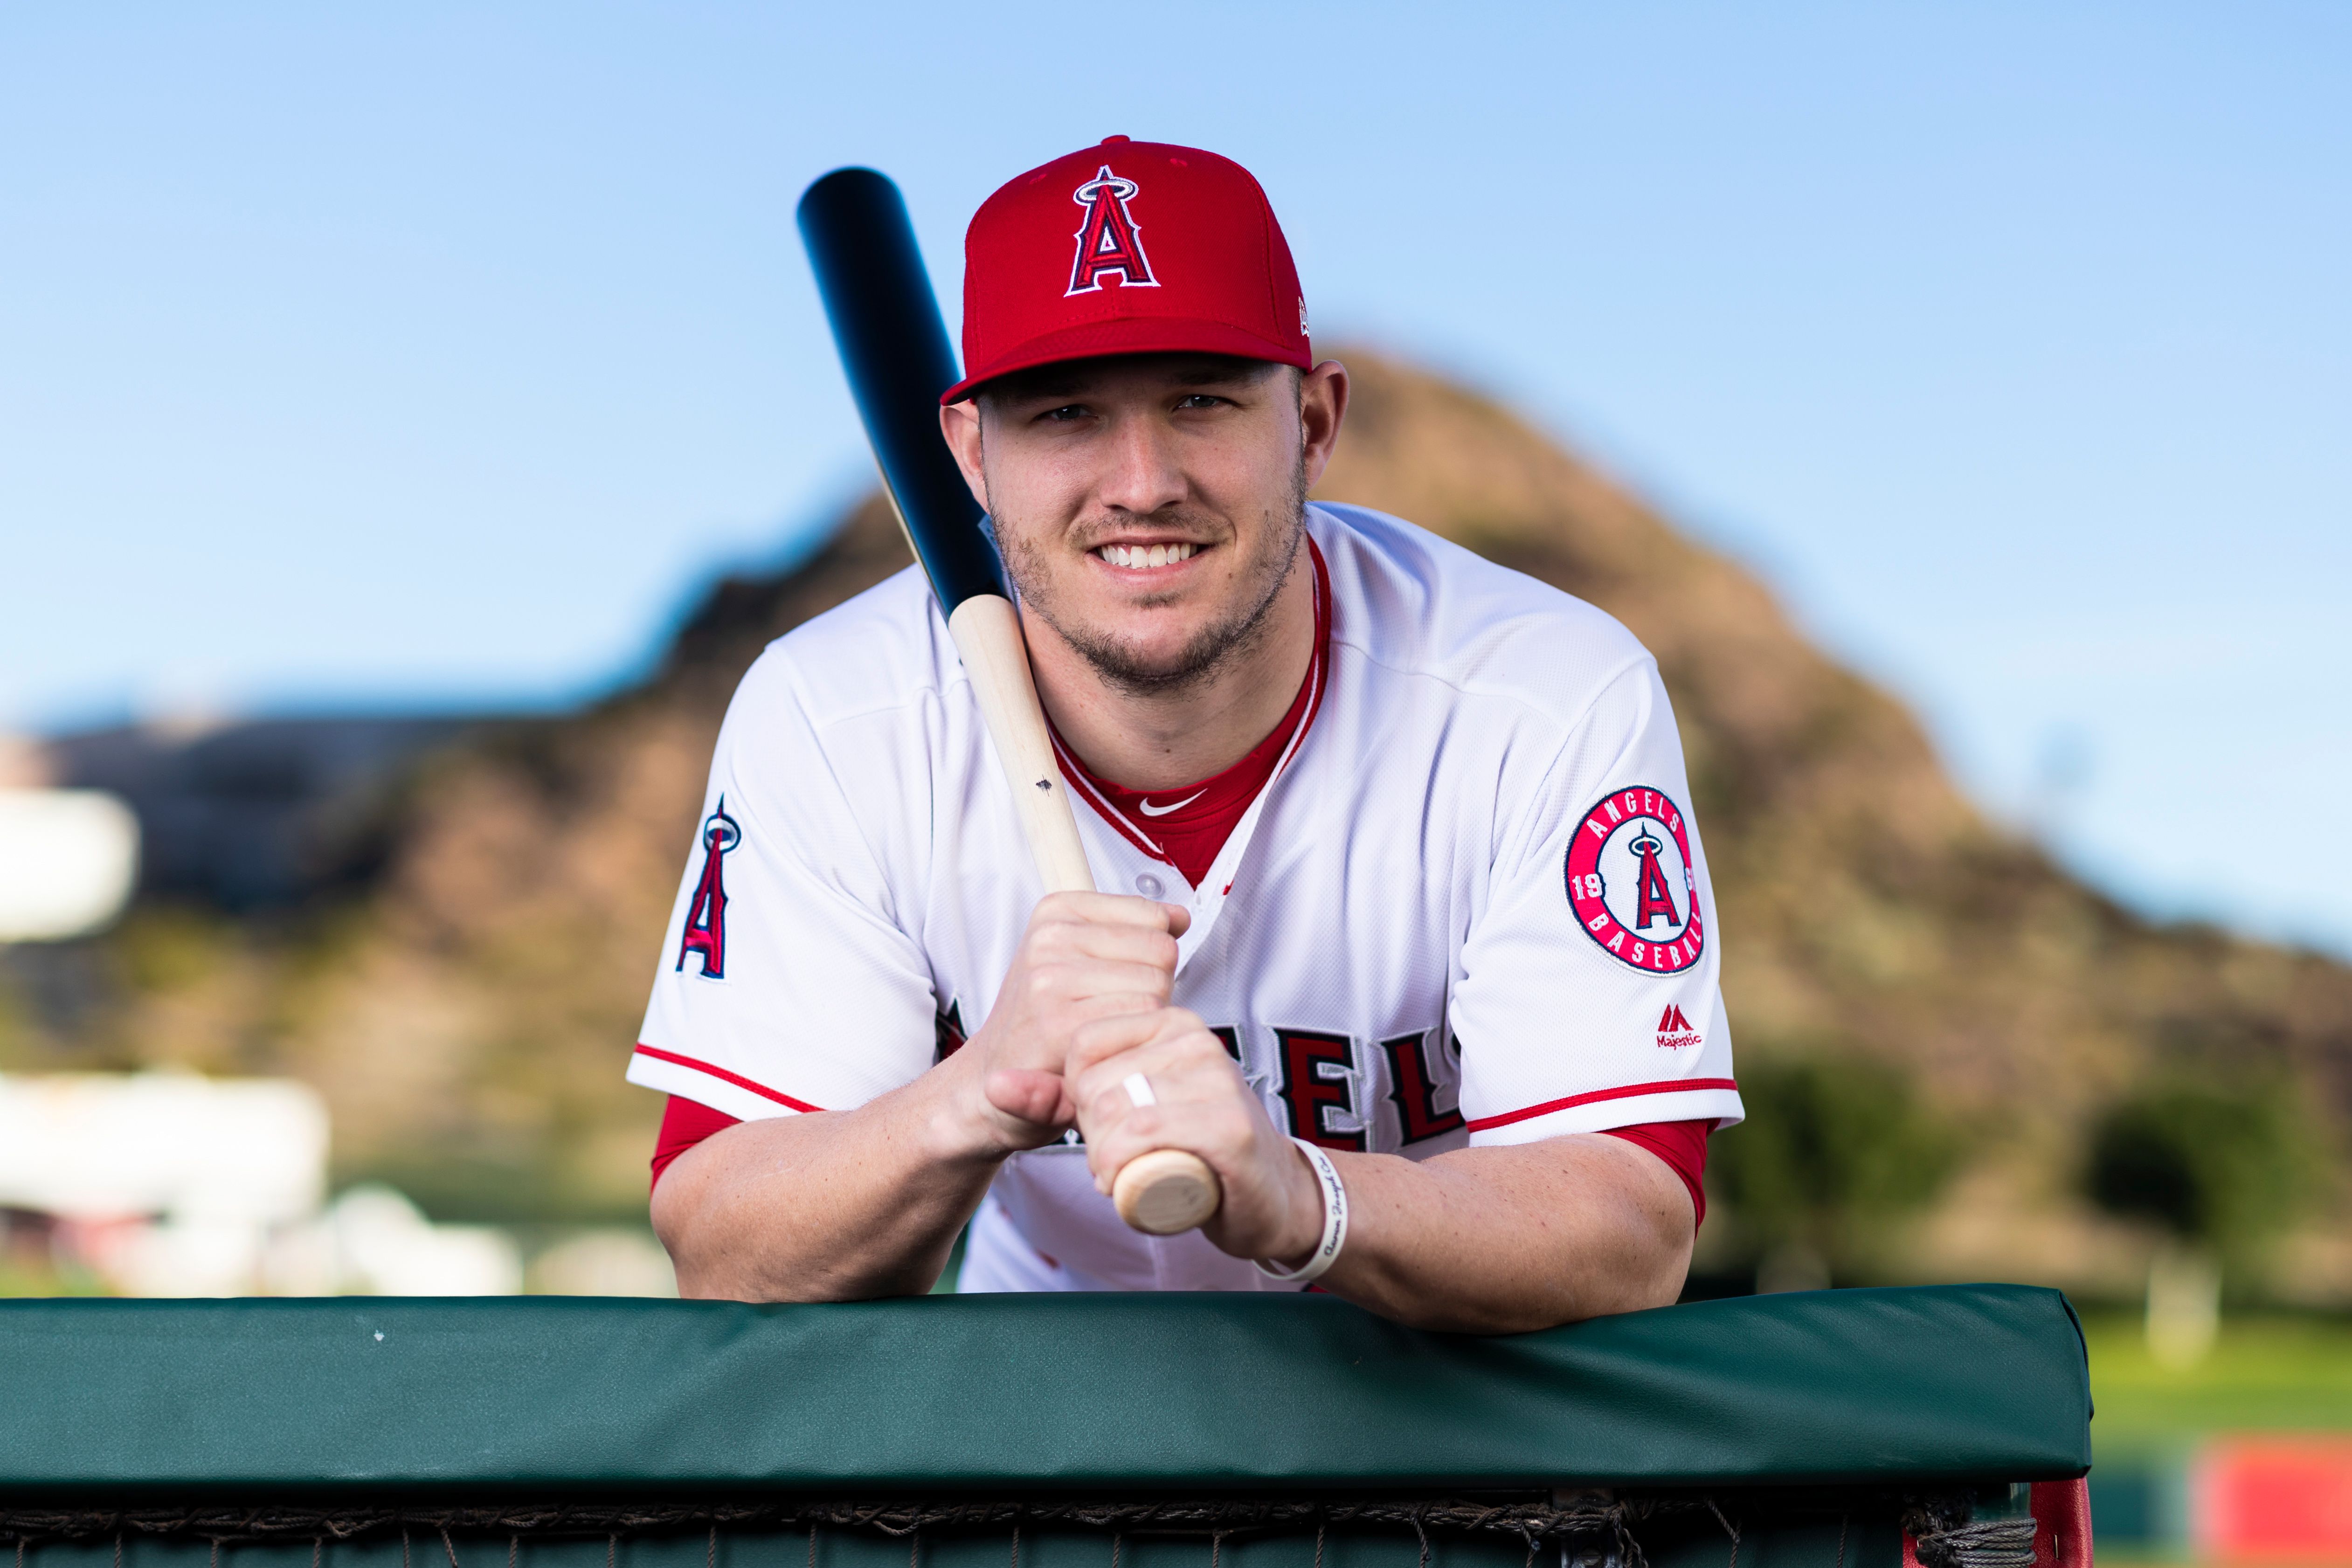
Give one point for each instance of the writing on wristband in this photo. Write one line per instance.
(1335, 1220)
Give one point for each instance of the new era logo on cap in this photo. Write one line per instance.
(1215, 277)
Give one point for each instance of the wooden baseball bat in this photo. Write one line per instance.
(894, 347)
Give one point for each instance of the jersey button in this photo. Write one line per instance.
(1150, 885)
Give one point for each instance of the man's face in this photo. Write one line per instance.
(1148, 506)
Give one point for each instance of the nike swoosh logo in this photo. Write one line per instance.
(1149, 809)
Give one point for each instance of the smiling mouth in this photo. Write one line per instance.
(1145, 557)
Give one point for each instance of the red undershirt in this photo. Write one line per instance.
(1187, 835)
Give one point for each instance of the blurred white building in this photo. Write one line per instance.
(68, 861)
(372, 1242)
(163, 1183)
(605, 1260)
(167, 1184)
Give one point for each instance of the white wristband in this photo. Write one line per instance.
(1335, 1221)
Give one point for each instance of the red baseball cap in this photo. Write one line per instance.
(1129, 247)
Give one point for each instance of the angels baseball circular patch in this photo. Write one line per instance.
(1632, 883)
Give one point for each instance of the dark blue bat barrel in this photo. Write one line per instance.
(894, 347)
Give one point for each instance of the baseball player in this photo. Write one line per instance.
(1407, 930)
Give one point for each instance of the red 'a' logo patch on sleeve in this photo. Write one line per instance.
(705, 917)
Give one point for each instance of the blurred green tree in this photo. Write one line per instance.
(2220, 1172)
(2227, 1168)
(1836, 1150)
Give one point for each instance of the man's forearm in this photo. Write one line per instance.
(844, 1205)
(1499, 1241)
(836, 1206)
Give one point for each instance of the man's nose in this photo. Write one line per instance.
(1141, 473)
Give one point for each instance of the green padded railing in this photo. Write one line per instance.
(1025, 1394)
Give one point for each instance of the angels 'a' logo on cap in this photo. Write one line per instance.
(1109, 239)
(1632, 884)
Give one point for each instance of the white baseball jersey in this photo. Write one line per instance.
(1469, 907)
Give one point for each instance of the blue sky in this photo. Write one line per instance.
(418, 355)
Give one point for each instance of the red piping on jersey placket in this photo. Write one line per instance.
(1624, 1092)
(1318, 674)
(1075, 775)
(720, 1074)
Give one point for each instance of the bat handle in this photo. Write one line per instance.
(987, 632)
(1166, 1192)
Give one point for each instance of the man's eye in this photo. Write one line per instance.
(1067, 412)
(1201, 400)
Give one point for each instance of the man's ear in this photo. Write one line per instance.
(959, 425)
(1322, 404)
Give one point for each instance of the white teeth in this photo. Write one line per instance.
(1144, 557)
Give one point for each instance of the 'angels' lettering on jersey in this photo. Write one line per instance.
(1329, 1089)
(1382, 941)
(1414, 1087)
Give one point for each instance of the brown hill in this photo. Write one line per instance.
(468, 1012)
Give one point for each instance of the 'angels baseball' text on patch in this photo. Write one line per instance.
(1632, 884)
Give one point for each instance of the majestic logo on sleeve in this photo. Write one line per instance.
(1631, 882)
(1109, 239)
(705, 917)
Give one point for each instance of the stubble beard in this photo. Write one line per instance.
(1216, 647)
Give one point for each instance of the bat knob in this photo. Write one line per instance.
(1166, 1192)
